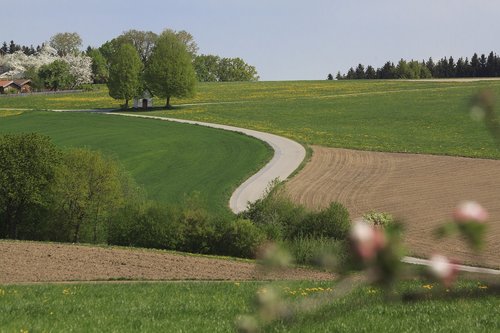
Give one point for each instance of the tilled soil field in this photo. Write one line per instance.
(27, 262)
(422, 190)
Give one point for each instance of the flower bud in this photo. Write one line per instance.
(443, 269)
(470, 211)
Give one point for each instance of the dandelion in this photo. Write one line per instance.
(427, 286)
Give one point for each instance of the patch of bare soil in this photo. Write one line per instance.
(422, 190)
(24, 262)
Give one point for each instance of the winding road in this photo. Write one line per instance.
(288, 155)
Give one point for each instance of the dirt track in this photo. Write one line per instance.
(22, 262)
(421, 189)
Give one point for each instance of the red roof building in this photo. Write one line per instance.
(15, 86)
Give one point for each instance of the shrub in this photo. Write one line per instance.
(282, 219)
(332, 222)
(380, 219)
(277, 216)
(149, 224)
(241, 239)
(308, 250)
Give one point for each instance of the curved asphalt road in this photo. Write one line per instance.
(288, 155)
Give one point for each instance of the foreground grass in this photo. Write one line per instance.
(213, 307)
(168, 159)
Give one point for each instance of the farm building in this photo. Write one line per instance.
(15, 86)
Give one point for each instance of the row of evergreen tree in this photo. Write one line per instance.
(477, 66)
(13, 47)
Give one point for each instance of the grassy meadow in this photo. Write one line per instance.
(396, 116)
(168, 159)
(214, 306)
(173, 159)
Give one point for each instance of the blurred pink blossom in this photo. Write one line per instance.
(468, 211)
(367, 239)
(443, 269)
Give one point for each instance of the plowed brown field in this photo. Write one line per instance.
(421, 189)
(22, 262)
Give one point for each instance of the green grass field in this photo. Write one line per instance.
(397, 116)
(213, 307)
(171, 159)
(168, 159)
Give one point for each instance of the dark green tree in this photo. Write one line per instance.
(4, 48)
(491, 65)
(55, 75)
(27, 167)
(329, 77)
(206, 67)
(100, 72)
(482, 65)
(360, 72)
(388, 71)
(475, 67)
(143, 41)
(351, 74)
(88, 189)
(236, 70)
(169, 71)
(370, 73)
(185, 38)
(125, 74)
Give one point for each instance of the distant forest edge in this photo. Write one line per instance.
(477, 66)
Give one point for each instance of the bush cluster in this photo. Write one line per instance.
(282, 219)
(183, 227)
(79, 195)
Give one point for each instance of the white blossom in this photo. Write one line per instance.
(80, 68)
(15, 65)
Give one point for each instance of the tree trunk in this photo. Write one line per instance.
(10, 216)
(76, 235)
(168, 106)
(126, 103)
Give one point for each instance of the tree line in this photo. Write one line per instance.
(477, 66)
(12, 47)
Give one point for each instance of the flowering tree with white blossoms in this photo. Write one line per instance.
(15, 65)
(80, 68)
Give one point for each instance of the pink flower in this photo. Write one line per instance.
(366, 239)
(468, 211)
(443, 269)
